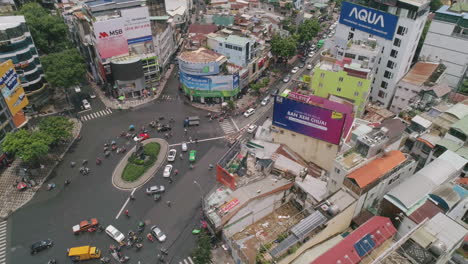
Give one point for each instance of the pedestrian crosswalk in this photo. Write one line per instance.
(227, 127)
(3, 233)
(94, 115)
(187, 260)
(168, 97)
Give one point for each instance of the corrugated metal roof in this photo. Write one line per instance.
(420, 72)
(306, 225)
(423, 122)
(459, 110)
(445, 230)
(461, 125)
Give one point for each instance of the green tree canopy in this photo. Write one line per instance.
(435, 5)
(58, 127)
(64, 69)
(308, 30)
(29, 146)
(202, 254)
(283, 47)
(48, 31)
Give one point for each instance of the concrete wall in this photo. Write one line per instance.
(441, 46)
(404, 92)
(336, 225)
(310, 149)
(253, 212)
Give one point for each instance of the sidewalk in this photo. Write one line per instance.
(117, 180)
(12, 199)
(113, 103)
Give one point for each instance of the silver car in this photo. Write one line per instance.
(155, 189)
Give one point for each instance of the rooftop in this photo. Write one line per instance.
(353, 248)
(428, 210)
(201, 55)
(202, 29)
(377, 168)
(420, 73)
(461, 125)
(232, 39)
(10, 21)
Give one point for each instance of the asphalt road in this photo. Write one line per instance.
(51, 214)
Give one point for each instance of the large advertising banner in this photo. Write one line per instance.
(309, 120)
(138, 30)
(11, 88)
(210, 86)
(369, 20)
(209, 68)
(110, 37)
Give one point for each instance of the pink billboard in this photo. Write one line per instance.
(110, 37)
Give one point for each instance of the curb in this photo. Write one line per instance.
(122, 185)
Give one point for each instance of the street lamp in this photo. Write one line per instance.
(201, 193)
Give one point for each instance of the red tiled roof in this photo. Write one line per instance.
(428, 209)
(377, 168)
(202, 29)
(378, 229)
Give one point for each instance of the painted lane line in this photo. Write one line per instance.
(201, 140)
(125, 204)
(234, 123)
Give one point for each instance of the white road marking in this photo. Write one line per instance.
(234, 123)
(201, 140)
(3, 229)
(125, 204)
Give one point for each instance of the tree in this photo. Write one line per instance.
(48, 31)
(256, 87)
(308, 30)
(29, 146)
(288, 6)
(231, 105)
(283, 47)
(202, 254)
(435, 5)
(64, 69)
(58, 127)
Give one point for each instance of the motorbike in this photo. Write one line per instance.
(141, 227)
(121, 150)
(114, 147)
(150, 237)
(124, 259)
(105, 260)
(106, 153)
(52, 261)
(72, 164)
(50, 186)
(138, 246)
(98, 161)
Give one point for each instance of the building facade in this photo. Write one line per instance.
(346, 73)
(397, 27)
(238, 50)
(447, 42)
(16, 44)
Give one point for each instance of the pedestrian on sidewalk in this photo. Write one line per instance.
(181, 156)
(170, 179)
(168, 203)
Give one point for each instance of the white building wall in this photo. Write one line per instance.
(404, 92)
(402, 60)
(441, 46)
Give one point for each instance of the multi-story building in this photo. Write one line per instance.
(163, 34)
(421, 77)
(206, 77)
(238, 50)
(447, 41)
(16, 44)
(396, 26)
(347, 73)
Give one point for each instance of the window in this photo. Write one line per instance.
(387, 74)
(221, 44)
(393, 53)
(361, 58)
(384, 84)
(322, 75)
(352, 29)
(340, 79)
(382, 94)
(380, 59)
(350, 35)
(356, 93)
(320, 85)
(401, 30)
(391, 64)
(359, 84)
(383, 48)
(397, 42)
(338, 89)
(337, 170)
(350, 55)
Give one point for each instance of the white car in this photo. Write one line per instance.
(86, 104)
(184, 146)
(92, 95)
(167, 171)
(172, 155)
(330, 35)
(286, 78)
(251, 129)
(295, 69)
(115, 234)
(249, 112)
(265, 101)
(155, 189)
(309, 66)
(158, 233)
(311, 54)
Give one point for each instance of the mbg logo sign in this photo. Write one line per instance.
(369, 20)
(111, 33)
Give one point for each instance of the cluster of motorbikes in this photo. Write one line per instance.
(111, 147)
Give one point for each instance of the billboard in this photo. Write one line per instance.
(110, 37)
(308, 119)
(210, 86)
(369, 20)
(11, 88)
(208, 68)
(137, 30)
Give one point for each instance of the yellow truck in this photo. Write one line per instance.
(84, 253)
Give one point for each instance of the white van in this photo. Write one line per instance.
(86, 104)
(249, 112)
